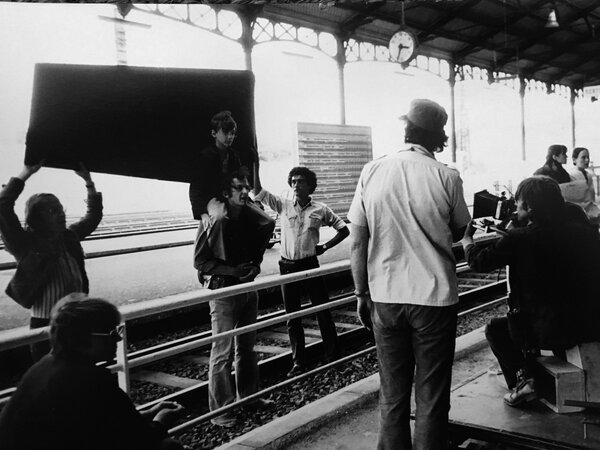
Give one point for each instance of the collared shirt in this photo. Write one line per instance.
(410, 203)
(300, 225)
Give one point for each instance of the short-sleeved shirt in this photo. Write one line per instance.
(410, 203)
(300, 225)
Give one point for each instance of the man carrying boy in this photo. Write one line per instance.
(216, 162)
(244, 248)
(301, 219)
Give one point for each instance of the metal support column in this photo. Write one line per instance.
(246, 38)
(452, 81)
(573, 124)
(340, 58)
(522, 85)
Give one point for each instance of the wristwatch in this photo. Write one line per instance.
(363, 294)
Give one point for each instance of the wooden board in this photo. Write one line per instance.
(139, 121)
(478, 411)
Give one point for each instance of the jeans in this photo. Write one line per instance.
(511, 357)
(408, 336)
(317, 291)
(227, 314)
(42, 348)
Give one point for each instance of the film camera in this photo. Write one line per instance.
(493, 212)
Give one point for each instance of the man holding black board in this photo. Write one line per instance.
(50, 260)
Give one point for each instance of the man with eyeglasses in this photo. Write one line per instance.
(50, 259)
(67, 401)
(244, 248)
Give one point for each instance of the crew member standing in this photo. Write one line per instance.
(50, 259)
(301, 220)
(407, 210)
(244, 248)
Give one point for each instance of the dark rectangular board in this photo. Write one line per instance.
(137, 121)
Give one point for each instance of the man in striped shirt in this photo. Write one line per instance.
(50, 260)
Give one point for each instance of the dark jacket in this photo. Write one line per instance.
(63, 404)
(552, 274)
(245, 240)
(33, 253)
(555, 171)
(209, 177)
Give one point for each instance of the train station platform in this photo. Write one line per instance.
(348, 419)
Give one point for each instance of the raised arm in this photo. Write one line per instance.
(13, 234)
(88, 223)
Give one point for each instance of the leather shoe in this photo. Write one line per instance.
(261, 403)
(295, 371)
(523, 393)
(226, 420)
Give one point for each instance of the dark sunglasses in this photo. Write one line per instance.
(116, 333)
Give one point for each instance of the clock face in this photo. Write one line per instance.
(403, 46)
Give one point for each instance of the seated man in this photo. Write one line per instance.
(552, 265)
(301, 220)
(244, 248)
(66, 402)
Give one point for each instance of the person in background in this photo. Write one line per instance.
(301, 220)
(66, 402)
(553, 167)
(587, 199)
(552, 254)
(244, 248)
(215, 162)
(407, 210)
(50, 260)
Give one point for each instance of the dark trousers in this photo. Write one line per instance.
(510, 356)
(39, 349)
(409, 336)
(317, 291)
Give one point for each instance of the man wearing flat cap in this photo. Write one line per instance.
(407, 211)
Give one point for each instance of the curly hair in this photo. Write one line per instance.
(431, 140)
(309, 176)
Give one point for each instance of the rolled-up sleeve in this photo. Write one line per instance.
(356, 213)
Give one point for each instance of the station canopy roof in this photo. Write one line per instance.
(507, 36)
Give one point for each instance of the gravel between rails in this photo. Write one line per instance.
(207, 436)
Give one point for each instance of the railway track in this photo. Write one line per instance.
(184, 378)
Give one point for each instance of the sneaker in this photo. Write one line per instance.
(226, 420)
(523, 393)
(295, 371)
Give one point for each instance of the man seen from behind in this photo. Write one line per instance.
(407, 211)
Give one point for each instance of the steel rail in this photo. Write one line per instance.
(24, 336)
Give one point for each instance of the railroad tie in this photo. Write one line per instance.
(163, 379)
